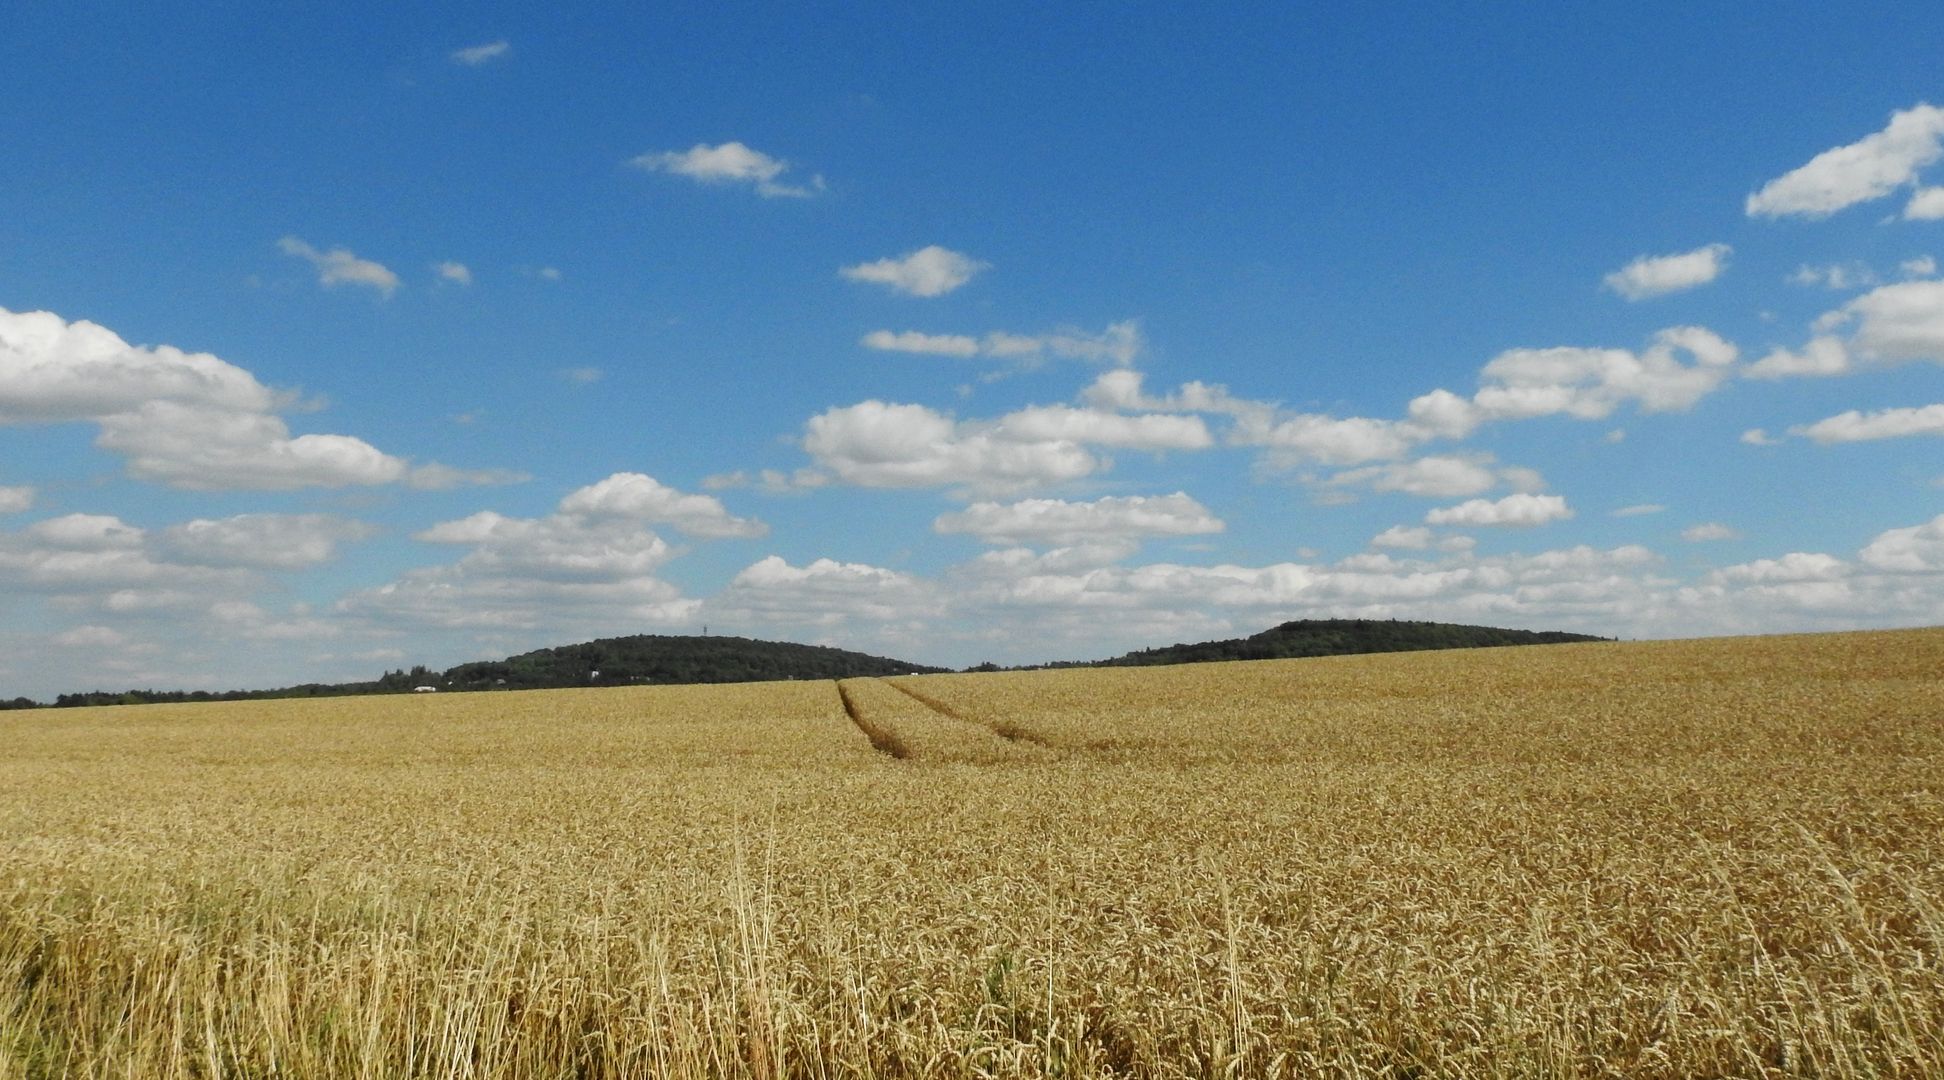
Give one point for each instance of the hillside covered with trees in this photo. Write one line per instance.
(1341, 637)
(644, 659)
(654, 658)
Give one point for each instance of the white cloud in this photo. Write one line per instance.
(729, 163)
(457, 273)
(1789, 569)
(1657, 275)
(823, 594)
(643, 498)
(1327, 440)
(1399, 536)
(1521, 510)
(1589, 384)
(1119, 344)
(878, 444)
(1758, 437)
(100, 561)
(1639, 510)
(559, 547)
(90, 637)
(1926, 204)
(1824, 355)
(204, 449)
(1437, 477)
(928, 271)
(1867, 169)
(1855, 426)
(1922, 266)
(1918, 549)
(1895, 323)
(15, 499)
(1707, 531)
(475, 55)
(339, 266)
(1679, 367)
(264, 541)
(189, 420)
(1837, 276)
(912, 341)
(590, 567)
(1888, 325)
(548, 273)
(1055, 522)
(769, 481)
(1064, 423)
(437, 477)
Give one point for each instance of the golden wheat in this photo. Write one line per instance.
(1718, 858)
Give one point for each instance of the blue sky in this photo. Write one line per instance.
(336, 339)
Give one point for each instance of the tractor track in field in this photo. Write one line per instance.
(1007, 730)
(884, 742)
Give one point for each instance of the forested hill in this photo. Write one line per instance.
(653, 658)
(1338, 637)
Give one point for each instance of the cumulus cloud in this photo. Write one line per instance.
(1918, 549)
(1119, 344)
(100, 561)
(1892, 324)
(590, 566)
(15, 499)
(879, 444)
(1864, 170)
(1679, 367)
(1921, 266)
(1590, 384)
(1856, 426)
(729, 163)
(1437, 477)
(824, 593)
(1824, 355)
(339, 266)
(189, 420)
(1926, 204)
(437, 477)
(1055, 522)
(643, 498)
(1895, 323)
(1708, 531)
(457, 273)
(90, 637)
(264, 541)
(1836, 276)
(1402, 536)
(928, 271)
(1657, 275)
(769, 481)
(912, 341)
(475, 55)
(1522, 510)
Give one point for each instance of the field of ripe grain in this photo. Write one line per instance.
(1676, 859)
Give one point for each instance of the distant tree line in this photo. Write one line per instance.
(655, 658)
(624, 661)
(1342, 637)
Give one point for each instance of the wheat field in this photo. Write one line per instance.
(1666, 859)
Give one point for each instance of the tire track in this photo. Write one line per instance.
(884, 742)
(1005, 729)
